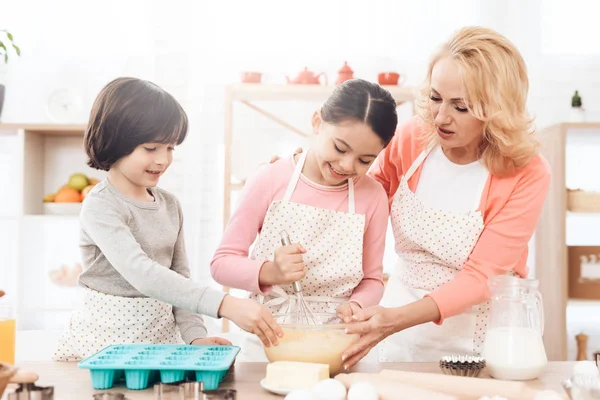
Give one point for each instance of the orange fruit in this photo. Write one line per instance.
(85, 191)
(67, 195)
(93, 181)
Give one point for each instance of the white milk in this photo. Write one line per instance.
(514, 353)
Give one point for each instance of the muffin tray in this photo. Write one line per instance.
(145, 364)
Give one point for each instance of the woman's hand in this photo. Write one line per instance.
(373, 324)
(275, 158)
(347, 310)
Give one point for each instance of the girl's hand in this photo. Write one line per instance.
(212, 340)
(373, 325)
(287, 266)
(347, 310)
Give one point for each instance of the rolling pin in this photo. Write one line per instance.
(463, 386)
(388, 389)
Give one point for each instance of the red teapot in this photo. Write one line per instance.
(307, 77)
(345, 73)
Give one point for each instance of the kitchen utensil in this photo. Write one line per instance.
(462, 365)
(307, 77)
(513, 348)
(109, 396)
(191, 391)
(462, 386)
(220, 394)
(29, 391)
(323, 343)
(167, 391)
(209, 364)
(251, 77)
(303, 313)
(388, 78)
(345, 73)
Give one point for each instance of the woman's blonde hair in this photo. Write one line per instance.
(495, 79)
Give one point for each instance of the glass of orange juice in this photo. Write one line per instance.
(7, 335)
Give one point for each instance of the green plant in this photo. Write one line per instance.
(6, 44)
(576, 100)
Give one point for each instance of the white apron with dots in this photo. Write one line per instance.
(104, 319)
(334, 246)
(433, 246)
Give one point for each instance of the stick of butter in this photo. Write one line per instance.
(295, 375)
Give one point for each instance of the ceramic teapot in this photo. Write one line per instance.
(307, 77)
(345, 73)
(388, 78)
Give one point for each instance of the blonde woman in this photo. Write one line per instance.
(466, 186)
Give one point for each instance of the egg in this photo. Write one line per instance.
(362, 391)
(586, 368)
(547, 395)
(301, 394)
(330, 389)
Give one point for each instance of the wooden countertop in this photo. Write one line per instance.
(71, 382)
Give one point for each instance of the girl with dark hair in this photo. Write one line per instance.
(336, 216)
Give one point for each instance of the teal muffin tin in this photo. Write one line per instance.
(145, 364)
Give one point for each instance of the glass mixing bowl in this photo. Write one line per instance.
(322, 343)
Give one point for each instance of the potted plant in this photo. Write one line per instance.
(577, 111)
(7, 46)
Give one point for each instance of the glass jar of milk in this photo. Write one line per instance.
(513, 347)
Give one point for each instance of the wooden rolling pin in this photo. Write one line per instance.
(463, 386)
(387, 389)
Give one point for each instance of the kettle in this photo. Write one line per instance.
(307, 77)
(345, 73)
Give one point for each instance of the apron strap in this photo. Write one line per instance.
(296, 176)
(351, 204)
(417, 163)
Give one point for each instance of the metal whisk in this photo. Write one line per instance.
(303, 314)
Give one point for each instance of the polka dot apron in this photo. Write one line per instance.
(104, 319)
(334, 245)
(433, 246)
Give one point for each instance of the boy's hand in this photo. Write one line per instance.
(212, 340)
(251, 317)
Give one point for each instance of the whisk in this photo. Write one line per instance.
(303, 314)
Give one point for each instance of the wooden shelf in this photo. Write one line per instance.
(577, 125)
(46, 129)
(45, 156)
(557, 229)
(278, 92)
